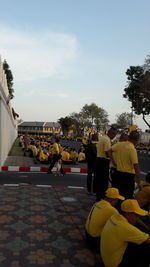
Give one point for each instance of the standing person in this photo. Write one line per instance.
(56, 151)
(123, 137)
(102, 163)
(127, 165)
(122, 243)
(99, 214)
(26, 143)
(91, 153)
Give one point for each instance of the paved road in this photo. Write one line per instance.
(144, 160)
(68, 179)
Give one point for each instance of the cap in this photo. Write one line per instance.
(131, 205)
(113, 193)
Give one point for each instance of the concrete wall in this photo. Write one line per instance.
(8, 126)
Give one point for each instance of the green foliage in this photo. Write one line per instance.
(138, 90)
(124, 120)
(9, 78)
(65, 124)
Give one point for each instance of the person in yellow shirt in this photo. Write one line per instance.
(102, 163)
(56, 151)
(127, 165)
(122, 243)
(99, 214)
(143, 196)
(81, 156)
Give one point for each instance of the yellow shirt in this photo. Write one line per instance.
(65, 155)
(99, 214)
(126, 156)
(55, 149)
(102, 146)
(143, 196)
(115, 236)
(81, 156)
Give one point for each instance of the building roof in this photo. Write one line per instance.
(39, 124)
(32, 123)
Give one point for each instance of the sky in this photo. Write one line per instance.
(67, 53)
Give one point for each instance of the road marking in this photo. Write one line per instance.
(75, 187)
(23, 176)
(144, 173)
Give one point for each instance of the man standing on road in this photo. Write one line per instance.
(102, 163)
(127, 165)
(56, 151)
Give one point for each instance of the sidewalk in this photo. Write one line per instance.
(44, 226)
(27, 164)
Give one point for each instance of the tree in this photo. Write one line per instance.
(79, 123)
(9, 78)
(138, 90)
(65, 123)
(95, 115)
(124, 120)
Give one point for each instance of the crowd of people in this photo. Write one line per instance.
(45, 150)
(115, 226)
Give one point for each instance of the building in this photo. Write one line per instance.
(39, 128)
(8, 124)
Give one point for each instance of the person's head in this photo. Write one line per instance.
(57, 140)
(123, 137)
(112, 195)
(112, 132)
(134, 137)
(131, 210)
(147, 178)
(94, 137)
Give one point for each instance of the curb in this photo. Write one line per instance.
(38, 169)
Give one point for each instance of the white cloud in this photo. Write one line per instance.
(33, 55)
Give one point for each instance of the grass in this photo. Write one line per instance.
(16, 150)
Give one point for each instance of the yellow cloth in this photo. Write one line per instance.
(98, 216)
(65, 156)
(143, 196)
(55, 149)
(81, 156)
(126, 156)
(102, 146)
(115, 236)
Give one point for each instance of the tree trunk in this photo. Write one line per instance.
(145, 120)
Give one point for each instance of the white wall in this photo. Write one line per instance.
(8, 128)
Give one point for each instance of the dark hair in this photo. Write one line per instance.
(134, 135)
(57, 140)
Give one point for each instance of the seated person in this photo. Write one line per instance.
(81, 156)
(43, 156)
(66, 156)
(99, 214)
(122, 243)
(143, 196)
(73, 155)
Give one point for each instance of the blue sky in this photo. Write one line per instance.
(68, 53)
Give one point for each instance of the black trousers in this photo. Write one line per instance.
(101, 177)
(55, 158)
(125, 183)
(92, 242)
(91, 165)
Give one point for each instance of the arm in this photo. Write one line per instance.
(137, 173)
(109, 154)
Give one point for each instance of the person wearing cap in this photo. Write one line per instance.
(102, 163)
(127, 165)
(122, 243)
(143, 195)
(99, 214)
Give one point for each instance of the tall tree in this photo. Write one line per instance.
(124, 120)
(138, 90)
(9, 78)
(66, 124)
(95, 115)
